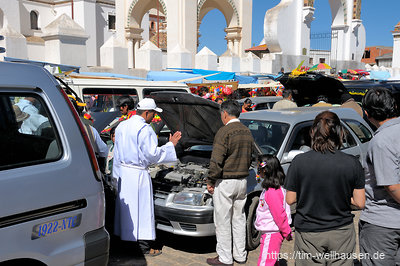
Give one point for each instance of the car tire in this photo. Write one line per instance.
(252, 234)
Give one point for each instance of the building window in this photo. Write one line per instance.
(152, 25)
(311, 61)
(34, 20)
(367, 54)
(322, 60)
(111, 22)
(1, 18)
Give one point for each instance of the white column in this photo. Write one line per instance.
(396, 49)
(230, 45)
(131, 55)
(135, 50)
(236, 46)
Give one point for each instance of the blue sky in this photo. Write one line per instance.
(379, 19)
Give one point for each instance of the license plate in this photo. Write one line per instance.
(56, 226)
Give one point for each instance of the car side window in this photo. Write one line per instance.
(348, 140)
(28, 135)
(262, 106)
(361, 131)
(300, 138)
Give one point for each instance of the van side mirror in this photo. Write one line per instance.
(289, 156)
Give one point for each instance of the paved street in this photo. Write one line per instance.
(188, 251)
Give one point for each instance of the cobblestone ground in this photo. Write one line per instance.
(188, 251)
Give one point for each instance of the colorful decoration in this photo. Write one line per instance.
(349, 71)
(319, 66)
(361, 72)
(226, 91)
(299, 70)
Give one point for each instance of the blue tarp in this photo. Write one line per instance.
(172, 76)
(221, 76)
(185, 73)
(379, 75)
(269, 76)
(113, 75)
(246, 79)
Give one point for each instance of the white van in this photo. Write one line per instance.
(52, 204)
(107, 91)
(101, 94)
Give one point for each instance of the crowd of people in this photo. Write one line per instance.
(324, 183)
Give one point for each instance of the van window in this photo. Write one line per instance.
(27, 132)
(105, 99)
(147, 91)
(263, 106)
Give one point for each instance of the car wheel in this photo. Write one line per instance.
(252, 234)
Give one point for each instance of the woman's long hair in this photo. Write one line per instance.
(327, 133)
(272, 171)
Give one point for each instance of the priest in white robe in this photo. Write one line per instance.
(136, 147)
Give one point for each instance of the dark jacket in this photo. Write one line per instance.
(232, 151)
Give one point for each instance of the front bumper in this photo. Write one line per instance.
(183, 219)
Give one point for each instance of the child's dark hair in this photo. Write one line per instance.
(273, 172)
(112, 131)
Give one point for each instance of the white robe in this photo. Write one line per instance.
(136, 149)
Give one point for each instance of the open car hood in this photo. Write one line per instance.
(198, 119)
(306, 88)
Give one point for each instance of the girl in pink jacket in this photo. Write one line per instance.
(273, 213)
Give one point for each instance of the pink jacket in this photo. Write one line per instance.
(273, 213)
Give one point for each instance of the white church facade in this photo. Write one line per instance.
(122, 35)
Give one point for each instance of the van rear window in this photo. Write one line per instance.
(147, 92)
(27, 133)
(105, 99)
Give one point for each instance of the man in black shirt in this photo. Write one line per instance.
(325, 182)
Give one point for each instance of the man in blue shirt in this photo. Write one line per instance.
(380, 220)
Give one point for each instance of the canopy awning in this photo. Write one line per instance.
(255, 85)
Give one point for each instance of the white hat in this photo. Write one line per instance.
(148, 104)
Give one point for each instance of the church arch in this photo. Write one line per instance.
(339, 10)
(227, 7)
(138, 8)
(229, 11)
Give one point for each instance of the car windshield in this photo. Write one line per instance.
(268, 135)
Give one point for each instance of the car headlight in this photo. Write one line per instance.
(189, 198)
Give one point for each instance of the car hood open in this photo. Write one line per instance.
(198, 119)
(306, 88)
